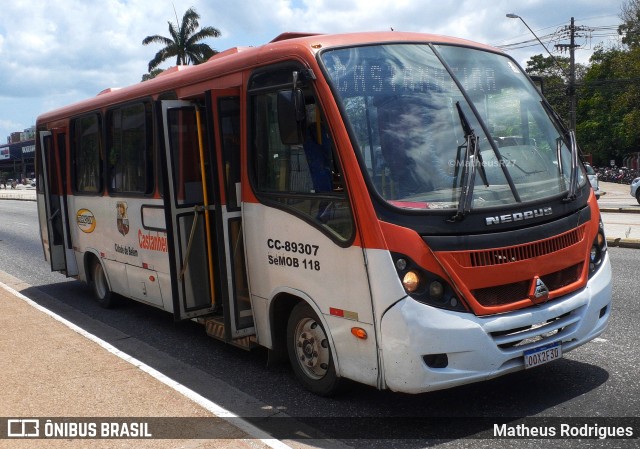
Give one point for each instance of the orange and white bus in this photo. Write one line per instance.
(402, 210)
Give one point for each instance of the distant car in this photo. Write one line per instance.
(593, 179)
(635, 189)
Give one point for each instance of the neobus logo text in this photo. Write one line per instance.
(519, 216)
(85, 220)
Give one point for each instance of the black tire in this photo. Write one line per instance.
(100, 286)
(310, 353)
(638, 195)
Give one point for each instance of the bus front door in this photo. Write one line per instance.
(202, 196)
(190, 212)
(54, 170)
(238, 316)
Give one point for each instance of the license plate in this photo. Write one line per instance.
(544, 354)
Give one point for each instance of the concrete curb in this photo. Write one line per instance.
(18, 194)
(623, 243)
(625, 210)
(16, 198)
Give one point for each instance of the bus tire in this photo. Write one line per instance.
(310, 353)
(100, 286)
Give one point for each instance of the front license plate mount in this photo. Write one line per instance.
(541, 355)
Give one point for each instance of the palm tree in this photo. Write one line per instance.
(184, 42)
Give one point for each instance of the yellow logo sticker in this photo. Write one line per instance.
(85, 220)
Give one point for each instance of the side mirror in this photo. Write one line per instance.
(291, 116)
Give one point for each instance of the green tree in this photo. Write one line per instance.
(608, 92)
(152, 74)
(184, 43)
(552, 71)
(630, 28)
(609, 118)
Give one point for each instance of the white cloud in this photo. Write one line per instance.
(53, 54)
(8, 124)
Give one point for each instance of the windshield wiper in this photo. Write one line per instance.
(472, 160)
(573, 179)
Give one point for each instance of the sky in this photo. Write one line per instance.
(56, 53)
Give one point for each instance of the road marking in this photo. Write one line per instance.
(600, 340)
(207, 404)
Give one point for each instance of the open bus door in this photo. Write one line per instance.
(189, 212)
(208, 271)
(226, 107)
(53, 156)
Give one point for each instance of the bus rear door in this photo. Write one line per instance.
(53, 156)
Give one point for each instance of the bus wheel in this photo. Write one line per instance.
(309, 352)
(100, 286)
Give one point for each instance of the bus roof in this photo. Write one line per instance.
(283, 46)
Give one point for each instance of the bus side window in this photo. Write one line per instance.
(183, 135)
(130, 149)
(304, 178)
(87, 154)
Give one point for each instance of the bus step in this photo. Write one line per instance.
(215, 328)
(246, 343)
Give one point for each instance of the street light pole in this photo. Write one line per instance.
(515, 16)
(569, 76)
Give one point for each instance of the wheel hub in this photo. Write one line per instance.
(312, 348)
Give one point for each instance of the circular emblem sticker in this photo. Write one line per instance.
(85, 220)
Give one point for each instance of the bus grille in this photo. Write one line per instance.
(517, 291)
(530, 336)
(500, 256)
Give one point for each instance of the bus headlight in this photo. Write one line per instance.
(426, 287)
(597, 251)
(411, 281)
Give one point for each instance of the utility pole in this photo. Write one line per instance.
(571, 76)
(571, 46)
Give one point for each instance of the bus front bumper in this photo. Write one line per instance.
(426, 349)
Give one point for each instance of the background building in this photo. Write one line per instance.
(17, 157)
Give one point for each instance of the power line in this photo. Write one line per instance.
(500, 44)
(579, 36)
(546, 38)
(564, 32)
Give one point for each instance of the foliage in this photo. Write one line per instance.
(552, 71)
(608, 92)
(630, 28)
(608, 110)
(152, 74)
(184, 42)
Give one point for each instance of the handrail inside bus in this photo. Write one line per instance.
(205, 195)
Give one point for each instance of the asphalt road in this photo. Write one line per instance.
(597, 380)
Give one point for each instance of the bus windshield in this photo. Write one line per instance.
(437, 125)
